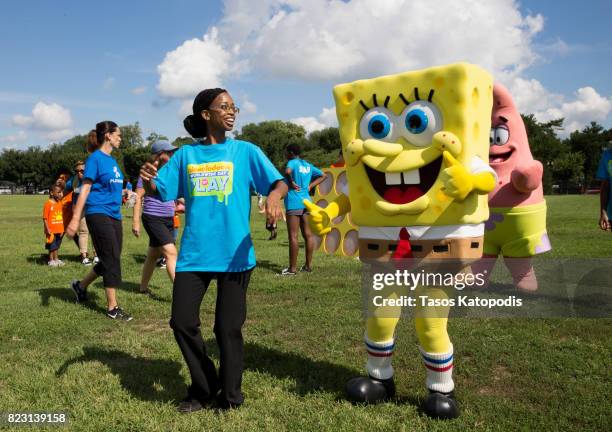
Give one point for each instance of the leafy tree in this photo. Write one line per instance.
(545, 145)
(154, 136)
(179, 141)
(273, 136)
(327, 139)
(590, 142)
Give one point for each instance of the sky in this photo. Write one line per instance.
(67, 65)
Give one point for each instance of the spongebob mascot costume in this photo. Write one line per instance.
(414, 145)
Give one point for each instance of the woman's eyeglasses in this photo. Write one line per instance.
(226, 108)
(79, 171)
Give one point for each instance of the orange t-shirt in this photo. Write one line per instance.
(177, 221)
(67, 208)
(52, 213)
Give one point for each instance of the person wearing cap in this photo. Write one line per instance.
(157, 219)
(215, 175)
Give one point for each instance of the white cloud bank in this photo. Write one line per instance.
(337, 41)
(52, 121)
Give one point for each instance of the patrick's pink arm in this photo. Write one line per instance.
(526, 177)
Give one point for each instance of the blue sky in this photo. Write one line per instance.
(67, 65)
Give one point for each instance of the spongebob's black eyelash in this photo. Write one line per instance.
(387, 101)
(365, 107)
(374, 99)
(403, 98)
(430, 97)
(416, 94)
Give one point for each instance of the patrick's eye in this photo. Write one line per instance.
(377, 123)
(500, 136)
(422, 119)
(491, 136)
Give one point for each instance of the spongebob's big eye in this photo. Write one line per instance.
(377, 123)
(421, 120)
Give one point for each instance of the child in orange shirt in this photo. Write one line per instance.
(54, 224)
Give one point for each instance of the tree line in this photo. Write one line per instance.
(570, 164)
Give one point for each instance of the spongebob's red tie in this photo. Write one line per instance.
(404, 250)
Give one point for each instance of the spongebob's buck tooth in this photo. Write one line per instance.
(411, 177)
(393, 178)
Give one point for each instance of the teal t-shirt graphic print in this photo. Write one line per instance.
(211, 179)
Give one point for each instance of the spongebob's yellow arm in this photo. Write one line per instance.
(321, 218)
(459, 182)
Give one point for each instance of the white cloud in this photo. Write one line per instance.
(341, 40)
(51, 116)
(195, 65)
(19, 137)
(587, 105)
(21, 120)
(326, 119)
(58, 135)
(138, 90)
(333, 40)
(248, 107)
(52, 121)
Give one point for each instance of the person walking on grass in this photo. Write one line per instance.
(53, 222)
(81, 239)
(214, 175)
(158, 221)
(604, 173)
(100, 199)
(302, 177)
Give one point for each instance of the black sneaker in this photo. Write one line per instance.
(81, 294)
(119, 314)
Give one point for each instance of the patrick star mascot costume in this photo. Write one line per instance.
(516, 228)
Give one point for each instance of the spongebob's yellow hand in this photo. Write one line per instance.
(458, 181)
(320, 222)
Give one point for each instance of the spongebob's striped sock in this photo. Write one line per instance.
(439, 370)
(379, 358)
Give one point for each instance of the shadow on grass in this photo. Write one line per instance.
(268, 265)
(139, 258)
(310, 375)
(67, 295)
(144, 378)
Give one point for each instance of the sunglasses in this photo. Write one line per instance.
(79, 171)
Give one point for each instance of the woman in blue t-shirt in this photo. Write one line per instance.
(215, 176)
(100, 198)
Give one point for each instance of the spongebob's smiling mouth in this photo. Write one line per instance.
(404, 187)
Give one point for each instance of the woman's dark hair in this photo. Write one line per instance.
(194, 123)
(293, 149)
(95, 138)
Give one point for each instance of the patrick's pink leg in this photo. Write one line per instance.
(523, 275)
(484, 266)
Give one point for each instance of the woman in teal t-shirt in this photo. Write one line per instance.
(215, 176)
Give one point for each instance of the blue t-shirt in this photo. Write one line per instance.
(604, 172)
(215, 181)
(302, 172)
(105, 194)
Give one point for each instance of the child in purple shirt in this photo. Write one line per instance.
(158, 221)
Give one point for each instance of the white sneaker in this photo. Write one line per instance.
(60, 263)
(86, 261)
(52, 263)
(96, 260)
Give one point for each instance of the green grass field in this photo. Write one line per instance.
(303, 341)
